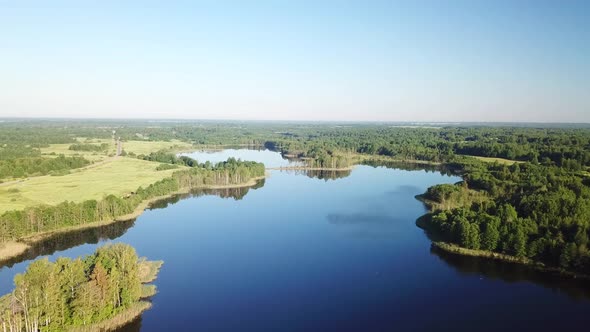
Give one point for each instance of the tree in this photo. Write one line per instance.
(519, 242)
(568, 256)
(474, 237)
(490, 235)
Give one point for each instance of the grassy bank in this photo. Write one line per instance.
(455, 249)
(148, 270)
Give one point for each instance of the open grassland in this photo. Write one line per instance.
(57, 149)
(137, 147)
(498, 160)
(146, 147)
(117, 176)
(107, 175)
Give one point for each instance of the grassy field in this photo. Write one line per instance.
(137, 147)
(57, 149)
(118, 177)
(108, 175)
(499, 160)
(146, 147)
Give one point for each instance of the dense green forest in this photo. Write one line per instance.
(17, 224)
(536, 208)
(525, 210)
(60, 295)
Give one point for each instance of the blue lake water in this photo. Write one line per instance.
(339, 253)
(271, 159)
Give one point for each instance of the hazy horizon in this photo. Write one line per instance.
(335, 61)
(296, 121)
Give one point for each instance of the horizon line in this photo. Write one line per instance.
(52, 118)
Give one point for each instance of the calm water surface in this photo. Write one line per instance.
(271, 159)
(338, 253)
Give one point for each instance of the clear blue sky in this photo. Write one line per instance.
(297, 60)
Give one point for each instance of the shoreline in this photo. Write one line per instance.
(485, 254)
(378, 158)
(214, 147)
(454, 249)
(15, 248)
(306, 168)
(118, 321)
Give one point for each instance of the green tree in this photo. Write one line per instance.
(490, 235)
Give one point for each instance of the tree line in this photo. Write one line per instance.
(56, 296)
(33, 166)
(20, 223)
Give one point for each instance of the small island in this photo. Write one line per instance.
(99, 292)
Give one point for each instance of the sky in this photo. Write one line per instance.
(428, 61)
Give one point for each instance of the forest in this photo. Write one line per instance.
(103, 288)
(525, 210)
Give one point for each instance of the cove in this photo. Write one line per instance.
(305, 251)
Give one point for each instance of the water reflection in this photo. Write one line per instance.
(514, 273)
(506, 271)
(359, 218)
(408, 166)
(325, 175)
(133, 326)
(64, 241)
(237, 194)
(366, 225)
(267, 157)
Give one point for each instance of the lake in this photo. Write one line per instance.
(323, 251)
